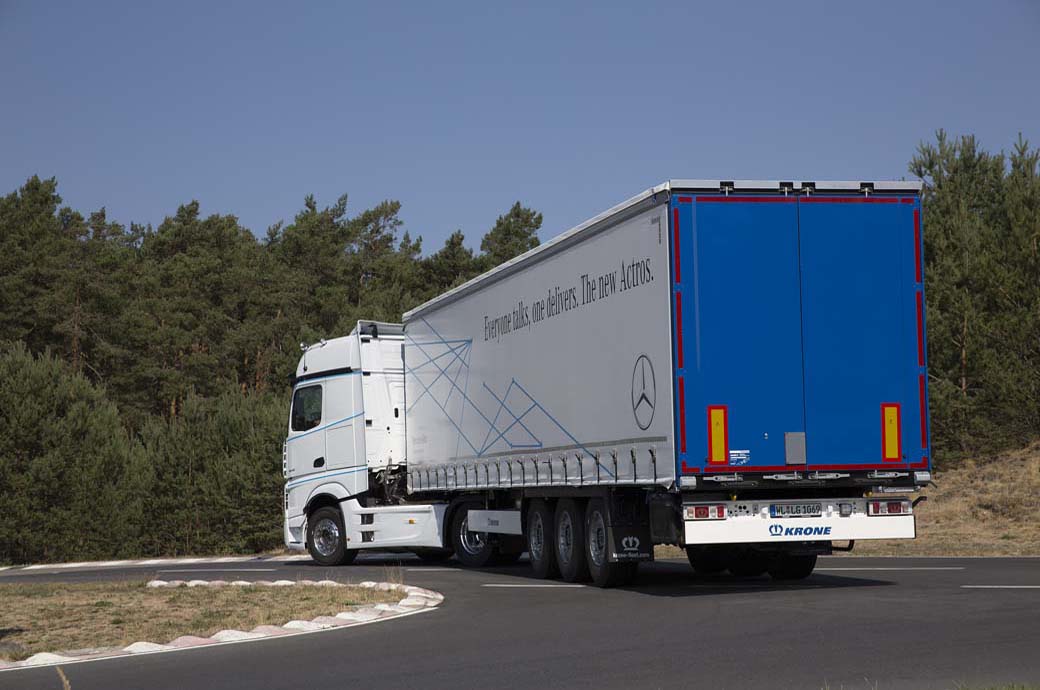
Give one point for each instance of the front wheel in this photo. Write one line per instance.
(326, 538)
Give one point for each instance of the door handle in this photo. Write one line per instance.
(319, 462)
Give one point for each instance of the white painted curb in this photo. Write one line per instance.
(416, 600)
(90, 565)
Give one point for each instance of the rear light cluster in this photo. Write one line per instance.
(888, 508)
(706, 512)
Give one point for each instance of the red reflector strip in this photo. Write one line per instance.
(917, 243)
(678, 327)
(682, 416)
(685, 199)
(924, 411)
(920, 328)
(675, 249)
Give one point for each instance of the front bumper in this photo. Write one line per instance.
(750, 522)
(294, 532)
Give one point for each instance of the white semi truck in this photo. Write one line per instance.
(736, 368)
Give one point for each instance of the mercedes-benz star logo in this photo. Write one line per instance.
(644, 392)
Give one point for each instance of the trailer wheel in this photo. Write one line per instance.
(707, 560)
(789, 567)
(570, 540)
(541, 539)
(748, 563)
(326, 538)
(603, 571)
(473, 549)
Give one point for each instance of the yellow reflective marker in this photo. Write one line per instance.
(891, 442)
(718, 434)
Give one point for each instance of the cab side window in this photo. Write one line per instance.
(306, 408)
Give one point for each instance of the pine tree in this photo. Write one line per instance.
(514, 233)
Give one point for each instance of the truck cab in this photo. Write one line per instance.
(345, 444)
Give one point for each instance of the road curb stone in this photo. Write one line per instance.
(415, 599)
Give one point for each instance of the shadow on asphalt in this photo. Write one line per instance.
(662, 578)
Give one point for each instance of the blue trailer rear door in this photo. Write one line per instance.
(798, 332)
(863, 332)
(738, 332)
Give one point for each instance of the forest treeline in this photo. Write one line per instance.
(144, 371)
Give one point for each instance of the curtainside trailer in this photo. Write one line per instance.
(735, 368)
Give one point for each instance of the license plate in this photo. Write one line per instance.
(788, 510)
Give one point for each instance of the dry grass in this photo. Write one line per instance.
(55, 617)
(980, 508)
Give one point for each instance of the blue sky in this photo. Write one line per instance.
(458, 110)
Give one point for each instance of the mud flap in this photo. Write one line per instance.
(629, 527)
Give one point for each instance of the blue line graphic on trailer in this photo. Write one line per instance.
(518, 415)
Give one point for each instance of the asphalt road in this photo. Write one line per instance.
(856, 623)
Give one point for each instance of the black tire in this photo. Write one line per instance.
(541, 539)
(749, 564)
(432, 555)
(326, 538)
(570, 540)
(707, 560)
(788, 567)
(473, 549)
(603, 571)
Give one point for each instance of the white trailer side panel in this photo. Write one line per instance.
(556, 374)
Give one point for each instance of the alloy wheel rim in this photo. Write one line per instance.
(472, 542)
(326, 536)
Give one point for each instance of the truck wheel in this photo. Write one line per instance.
(570, 540)
(707, 561)
(473, 549)
(597, 549)
(788, 567)
(541, 539)
(326, 538)
(748, 564)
